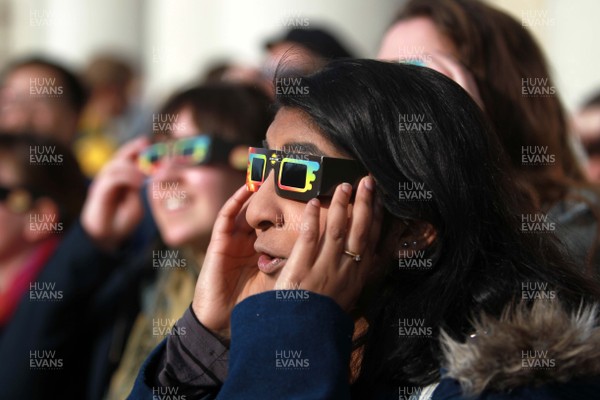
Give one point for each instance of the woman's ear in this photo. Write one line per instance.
(43, 220)
(414, 236)
(406, 239)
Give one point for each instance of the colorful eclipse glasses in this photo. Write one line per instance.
(300, 176)
(193, 151)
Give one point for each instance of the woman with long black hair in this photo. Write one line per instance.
(376, 252)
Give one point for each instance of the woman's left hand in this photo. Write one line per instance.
(319, 264)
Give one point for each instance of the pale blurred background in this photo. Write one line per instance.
(175, 41)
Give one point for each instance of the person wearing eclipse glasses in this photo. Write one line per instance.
(197, 161)
(319, 309)
(113, 294)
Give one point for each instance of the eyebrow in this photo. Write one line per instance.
(298, 147)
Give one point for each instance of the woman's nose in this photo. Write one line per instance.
(264, 205)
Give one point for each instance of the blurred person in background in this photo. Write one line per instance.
(38, 203)
(497, 61)
(41, 96)
(197, 162)
(586, 125)
(111, 116)
(216, 71)
(303, 50)
(104, 279)
(42, 192)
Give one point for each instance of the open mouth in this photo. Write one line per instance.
(268, 264)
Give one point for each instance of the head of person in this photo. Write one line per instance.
(305, 50)
(511, 75)
(586, 124)
(447, 197)
(207, 131)
(240, 74)
(110, 82)
(41, 191)
(41, 96)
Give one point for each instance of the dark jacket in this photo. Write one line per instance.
(58, 343)
(297, 346)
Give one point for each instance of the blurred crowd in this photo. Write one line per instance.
(107, 207)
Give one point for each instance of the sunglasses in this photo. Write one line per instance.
(300, 176)
(17, 200)
(193, 151)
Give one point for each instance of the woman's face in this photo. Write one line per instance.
(185, 200)
(414, 38)
(278, 221)
(21, 109)
(418, 41)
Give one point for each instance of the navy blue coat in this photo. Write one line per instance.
(298, 347)
(62, 348)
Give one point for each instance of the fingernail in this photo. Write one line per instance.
(346, 188)
(315, 203)
(369, 183)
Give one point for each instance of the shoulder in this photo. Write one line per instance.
(541, 351)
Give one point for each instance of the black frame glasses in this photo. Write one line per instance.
(300, 176)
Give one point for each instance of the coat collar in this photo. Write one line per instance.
(526, 346)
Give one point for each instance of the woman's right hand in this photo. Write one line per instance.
(229, 273)
(113, 207)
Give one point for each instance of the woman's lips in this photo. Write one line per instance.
(269, 264)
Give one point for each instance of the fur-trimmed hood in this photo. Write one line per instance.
(527, 346)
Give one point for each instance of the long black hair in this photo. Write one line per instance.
(480, 258)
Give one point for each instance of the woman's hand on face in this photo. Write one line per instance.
(113, 207)
(319, 264)
(229, 273)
